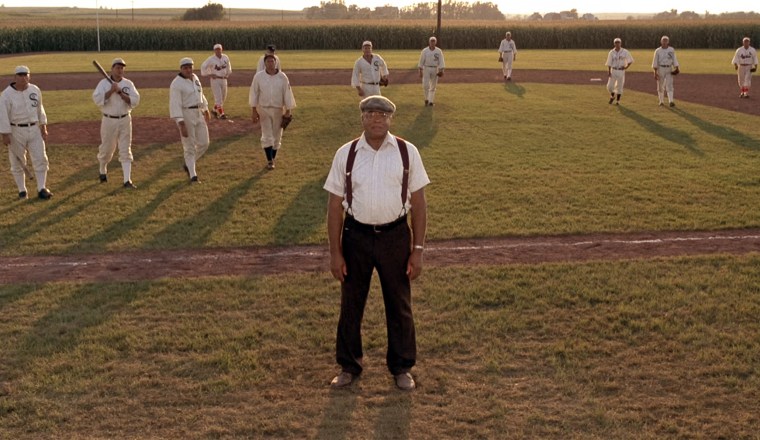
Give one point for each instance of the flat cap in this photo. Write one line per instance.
(118, 61)
(185, 61)
(377, 103)
(22, 69)
(217, 46)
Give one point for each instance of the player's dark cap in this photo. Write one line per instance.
(377, 103)
(271, 47)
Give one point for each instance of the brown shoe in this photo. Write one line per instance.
(405, 381)
(342, 380)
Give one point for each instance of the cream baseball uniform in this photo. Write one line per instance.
(261, 66)
(745, 59)
(431, 62)
(222, 68)
(23, 117)
(507, 52)
(663, 63)
(367, 74)
(187, 103)
(617, 62)
(116, 124)
(270, 95)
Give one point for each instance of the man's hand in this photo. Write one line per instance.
(414, 266)
(207, 115)
(44, 132)
(182, 129)
(656, 76)
(360, 91)
(6, 139)
(420, 73)
(440, 73)
(338, 266)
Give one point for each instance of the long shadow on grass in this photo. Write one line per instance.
(679, 137)
(11, 293)
(422, 130)
(515, 89)
(336, 421)
(394, 419)
(304, 214)
(729, 134)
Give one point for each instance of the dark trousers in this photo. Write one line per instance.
(387, 251)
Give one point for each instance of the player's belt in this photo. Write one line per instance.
(352, 223)
(665, 65)
(31, 124)
(507, 51)
(115, 117)
(431, 66)
(373, 84)
(618, 68)
(745, 64)
(193, 107)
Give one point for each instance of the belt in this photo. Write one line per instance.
(618, 68)
(745, 64)
(350, 221)
(431, 66)
(662, 65)
(115, 117)
(193, 106)
(507, 51)
(31, 124)
(373, 84)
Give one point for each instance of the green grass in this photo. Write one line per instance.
(658, 349)
(692, 61)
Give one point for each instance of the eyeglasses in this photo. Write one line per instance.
(372, 114)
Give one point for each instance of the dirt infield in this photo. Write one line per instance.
(714, 90)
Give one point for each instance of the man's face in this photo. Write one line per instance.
(270, 62)
(218, 52)
(432, 44)
(376, 123)
(367, 49)
(22, 80)
(117, 71)
(745, 43)
(618, 45)
(186, 70)
(664, 43)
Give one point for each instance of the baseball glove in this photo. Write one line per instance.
(384, 82)
(675, 71)
(501, 59)
(753, 70)
(286, 120)
(439, 74)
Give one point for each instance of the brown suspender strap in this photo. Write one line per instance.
(403, 150)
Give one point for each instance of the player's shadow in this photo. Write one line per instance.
(514, 89)
(422, 130)
(676, 136)
(337, 420)
(395, 416)
(304, 215)
(729, 134)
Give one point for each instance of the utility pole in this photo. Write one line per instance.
(438, 27)
(97, 23)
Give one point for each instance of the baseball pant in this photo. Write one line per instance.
(616, 81)
(271, 132)
(745, 77)
(665, 83)
(219, 89)
(116, 132)
(29, 139)
(387, 252)
(196, 142)
(506, 63)
(429, 82)
(371, 89)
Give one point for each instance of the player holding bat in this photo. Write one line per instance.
(116, 96)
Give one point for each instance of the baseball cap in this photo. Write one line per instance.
(185, 61)
(367, 43)
(432, 39)
(22, 69)
(217, 46)
(118, 61)
(271, 47)
(617, 40)
(377, 103)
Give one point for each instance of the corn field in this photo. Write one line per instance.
(305, 35)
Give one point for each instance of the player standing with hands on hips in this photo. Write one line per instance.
(189, 109)
(218, 68)
(431, 67)
(745, 62)
(665, 65)
(507, 54)
(374, 182)
(116, 97)
(271, 100)
(370, 72)
(618, 60)
(23, 124)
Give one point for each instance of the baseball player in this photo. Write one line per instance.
(507, 54)
(618, 60)
(269, 96)
(745, 62)
(270, 50)
(116, 99)
(369, 71)
(665, 65)
(431, 67)
(189, 108)
(23, 125)
(218, 68)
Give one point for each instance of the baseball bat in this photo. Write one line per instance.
(102, 71)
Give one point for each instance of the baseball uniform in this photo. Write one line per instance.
(269, 95)
(262, 66)
(663, 63)
(188, 104)
(745, 59)
(618, 59)
(507, 52)
(431, 64)
(218, 68)
(367, 74)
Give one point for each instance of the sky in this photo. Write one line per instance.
(509, 7)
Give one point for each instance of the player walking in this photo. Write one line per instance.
(665, 65)
(507, 54)
(369, 71)
(431, 67)
(218, 68)
(23, 124)
(116, 99)
(189, 108)
(745, 62)
(618, 60)
(270, 50)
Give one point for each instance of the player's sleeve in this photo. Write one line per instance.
(422, 59)
(5, 109)
(290, 100)
(134, 96)
(99, 95)
(41, 115)
(229, 66)
(355, 75)
(175, 102)
(442, 65)
(253, 96)
(384, 67)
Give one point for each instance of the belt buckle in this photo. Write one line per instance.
(375, 230)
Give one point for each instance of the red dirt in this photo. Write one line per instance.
(714, 90)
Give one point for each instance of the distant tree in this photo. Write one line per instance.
(552, 16)
(569, 15)
(666, 15)
(689, 15)
(535, 17)
(386, 13)
(212, 11)
(334, 9)
(418, 11)
(486, 11)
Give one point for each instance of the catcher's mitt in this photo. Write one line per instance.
(286, 120)
(753, 70)
(384, 82)
(675, 71)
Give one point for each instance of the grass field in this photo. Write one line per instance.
(664, 348)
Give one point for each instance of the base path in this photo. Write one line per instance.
(246, 261)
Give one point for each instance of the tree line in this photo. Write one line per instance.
(450, 9)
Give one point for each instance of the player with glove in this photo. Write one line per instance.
(370, 72)
(665, 65)
(745, 63)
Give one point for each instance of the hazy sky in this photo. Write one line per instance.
(505, 6)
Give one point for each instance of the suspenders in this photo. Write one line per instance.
(404, 180)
